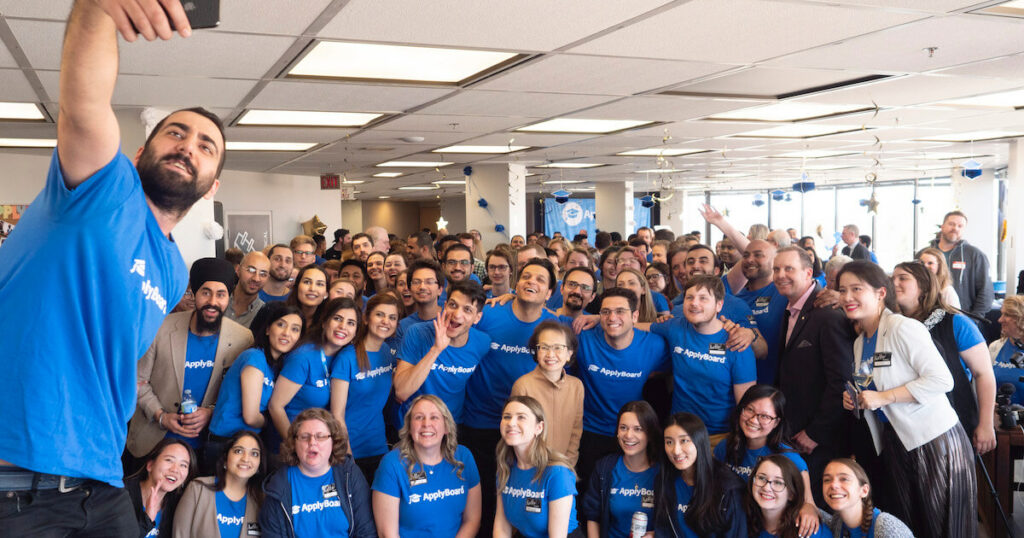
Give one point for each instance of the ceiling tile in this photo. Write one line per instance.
(16, 87)
(527, 25)
(285, 134)
(666, 108)
(707, 30)
(927, 6)
(450, 123)
(288, 17)
(1009, 67)
(341, 97)
(40, 40)
(523, 104)
(167, 91)
(598, 75)
(770, 81)
(6, 60)
(911, 90)
(50, 9)
(237, 56)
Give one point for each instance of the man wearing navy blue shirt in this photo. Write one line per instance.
(425, 281)
(578, 288)
(753, 285)
(192, 350)
(438, 358)
(613, 360)
(68, 393)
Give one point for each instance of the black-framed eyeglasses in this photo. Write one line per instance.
(761, 417)
(778, 486)
(569, 284)
(453, 263)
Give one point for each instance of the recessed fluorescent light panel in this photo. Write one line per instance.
(387, 174)
(21, 112)
(667, 152)
(565, 182)
(569, 165)
(813, 154)
(798, 131)
(419, 188)
(383, 197)
(28, 142)
(788, 112)
(973, 136)
(449, 182)
(1014, 8)
(724, 175)
(367, 61)
(1010, 99)
(659, 171)
(481, 149)
(574, 125)
(823, 167)
(268, 146)
(353, 182)
(413, 164)
(306, 118)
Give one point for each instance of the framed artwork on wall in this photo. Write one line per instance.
(249, 230)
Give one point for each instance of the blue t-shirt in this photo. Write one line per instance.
(555, 301)
(1006, 372)
(769, 309)
(684, 493)
(612, 378)
(199, 354)
(227, 416)
(866, 353)
(155, 531)
(857, 533)
(316, 505)
(268, 298)
(733, 308)
(508, 359)
(630, 492)
(967, 335)
(660, 302)
(69, 359)
(823, 532)
(431, 502)
(230, 515)
(525, 501)
(451, 370)
(751, 456)
(406, 323)
(704, 372)
(307, 366)
(367, 394)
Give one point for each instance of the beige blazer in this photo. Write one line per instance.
(196, 513)
(161, 373)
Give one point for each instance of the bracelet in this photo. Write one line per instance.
(756, 336)
(160, 420)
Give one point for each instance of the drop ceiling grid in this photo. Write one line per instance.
(15, 87)
(341, 97)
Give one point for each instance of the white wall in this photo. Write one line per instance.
(454, 211)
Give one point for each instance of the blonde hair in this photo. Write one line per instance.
(407, 449)
(943, 273)
(1013, 306)
(645, 302)
(539, 454)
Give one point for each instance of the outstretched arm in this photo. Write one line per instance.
(735, 275)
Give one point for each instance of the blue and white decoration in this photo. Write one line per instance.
(581, 214)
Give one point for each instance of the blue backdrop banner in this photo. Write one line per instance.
(581, 214)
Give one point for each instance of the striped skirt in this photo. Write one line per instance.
(933, 488)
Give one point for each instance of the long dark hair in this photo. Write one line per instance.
(293, 295)
(254, 487)
(736, 442)
(261, 323)
(362, 359)
(193, 467)
(872, 275)
(929, 296)
(703, 514)
(648, 420)
(315, 334)
(794, 485)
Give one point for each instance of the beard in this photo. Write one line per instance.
(170, 191)
(208, 326)
(574, 301)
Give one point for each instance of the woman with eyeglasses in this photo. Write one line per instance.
(377, 279)
(428, 485)
(757, 429)
(227, 503)
(697, 494)
(961, 345)
(634, 281)
(321, 491)
(623, 483)
(660, 280)
(925, 455)
(848, 493)
(309, 292)
(559, 394)
(305, 378)
(777, 491)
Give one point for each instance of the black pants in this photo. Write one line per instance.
(593, 446)
(94, 510)
(368, 466)
(483, 443)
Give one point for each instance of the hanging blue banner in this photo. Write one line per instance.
(581, 214)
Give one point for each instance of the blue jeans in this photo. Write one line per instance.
(93, 510)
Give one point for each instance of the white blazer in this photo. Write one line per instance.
(916, 365)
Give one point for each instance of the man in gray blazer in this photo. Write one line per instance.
(191, 352)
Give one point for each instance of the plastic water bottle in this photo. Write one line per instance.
(639, 525)
(188, 403)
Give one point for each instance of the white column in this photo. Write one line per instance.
(614, 204)
(1014, 259)
(504, 189)
(672, 210)
(978, 198)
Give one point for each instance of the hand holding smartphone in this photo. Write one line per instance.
(853, 392)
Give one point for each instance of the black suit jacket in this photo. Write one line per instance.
(813, 369)
(859, 252)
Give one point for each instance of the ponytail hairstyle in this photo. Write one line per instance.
(867, 506)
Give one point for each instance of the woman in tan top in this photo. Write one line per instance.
(559, 394)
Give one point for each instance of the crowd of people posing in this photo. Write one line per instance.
(549, 388)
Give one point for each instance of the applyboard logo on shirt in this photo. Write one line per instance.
(199, 364)
(614, 373)
(453, 369)
(632, 492)
(149, 291)
(374, 373)
(511, 349)
(682, 507)
(317, 506)
(225, 520)
(495, 345)
(437, 495)
(321, 383)
(521, 493)
(691, 354)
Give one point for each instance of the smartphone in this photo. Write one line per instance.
(201, 14)
(853, 391)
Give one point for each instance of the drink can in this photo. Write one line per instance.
(639, 525)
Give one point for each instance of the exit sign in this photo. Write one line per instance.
(329, 182)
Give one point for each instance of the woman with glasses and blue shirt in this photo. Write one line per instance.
(757, 430)
(777, 493)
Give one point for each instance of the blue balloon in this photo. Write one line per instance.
(481, 202)
(499, 228)
(467, 171)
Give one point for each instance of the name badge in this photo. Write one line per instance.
(716, 349)
(418, 478)
(252, 529)
(329, 490)
(533, 505)
(882, 359)
(762, 301)
(959, 265)
(647, 500)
